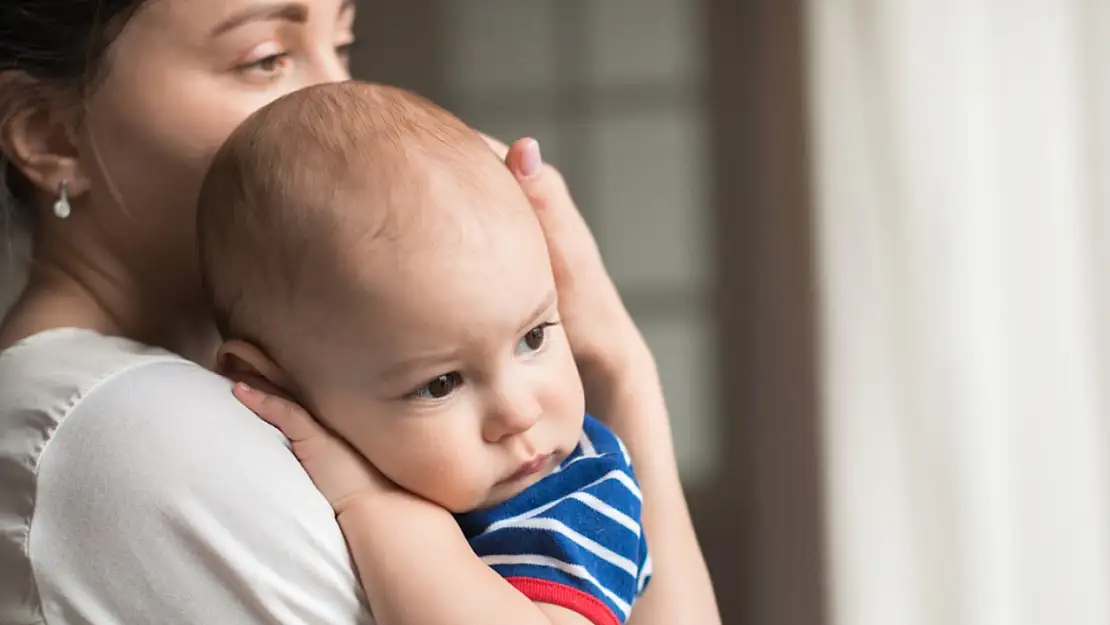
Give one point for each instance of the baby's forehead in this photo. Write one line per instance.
(422, 191)
(437, 286)
(479, 273)
(445, 214)
(445, 221)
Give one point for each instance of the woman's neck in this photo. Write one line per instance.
(104, 297)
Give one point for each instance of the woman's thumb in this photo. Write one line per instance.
(525, 159)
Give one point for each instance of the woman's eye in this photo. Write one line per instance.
(439, 387)
(534, 339)
(272, 64)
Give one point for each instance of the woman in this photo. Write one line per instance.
(134, 487)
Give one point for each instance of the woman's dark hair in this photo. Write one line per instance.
(51, 46)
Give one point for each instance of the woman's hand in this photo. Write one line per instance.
(622, 387)
(339, 472)
(606, 343)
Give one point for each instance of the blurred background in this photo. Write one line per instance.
(869, 242)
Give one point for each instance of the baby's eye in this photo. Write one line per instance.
(439, 387)
(534, 339)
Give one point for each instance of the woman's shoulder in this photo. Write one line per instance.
(113, 449)
(45, 378)
(71, 379)
(47, 374)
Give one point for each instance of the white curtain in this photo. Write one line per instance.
(963, 183)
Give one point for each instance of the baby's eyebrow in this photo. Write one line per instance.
(428, 361)
(402, 367)
(547, 302)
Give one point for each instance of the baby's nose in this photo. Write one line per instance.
(512, 416)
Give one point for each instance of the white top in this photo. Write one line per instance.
(134, 488)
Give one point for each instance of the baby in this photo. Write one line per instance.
(366, 251)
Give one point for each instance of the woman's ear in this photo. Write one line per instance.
(245, 362)
(39, 135)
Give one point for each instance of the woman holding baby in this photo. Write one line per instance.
(135, 486)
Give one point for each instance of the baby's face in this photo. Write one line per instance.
(458, 382)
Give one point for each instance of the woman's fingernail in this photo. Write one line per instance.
(531, 162)
(245, 389)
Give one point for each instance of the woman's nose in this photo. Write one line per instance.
(328, 67)
(334, 71)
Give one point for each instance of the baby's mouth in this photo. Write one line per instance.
(530, 468)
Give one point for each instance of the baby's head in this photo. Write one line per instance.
(365, 250)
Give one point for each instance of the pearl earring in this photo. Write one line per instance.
(61, 207)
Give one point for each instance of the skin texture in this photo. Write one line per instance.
(133, 153)
(464, 308)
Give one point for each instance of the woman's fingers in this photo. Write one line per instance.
(574, 254)
(567, 234)
(294, 422)
(547, 191)
(601, 332)
(525, 160)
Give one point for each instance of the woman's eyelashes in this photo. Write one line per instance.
(268, 67)
(266, 58)
(270, 62)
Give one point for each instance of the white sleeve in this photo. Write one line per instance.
(162, 500)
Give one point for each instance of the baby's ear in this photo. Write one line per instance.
(245, 362)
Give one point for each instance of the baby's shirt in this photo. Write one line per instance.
(573, 539)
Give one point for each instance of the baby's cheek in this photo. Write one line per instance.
(450, 476)
(570, 380)
(464, 481)
(566, 397)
